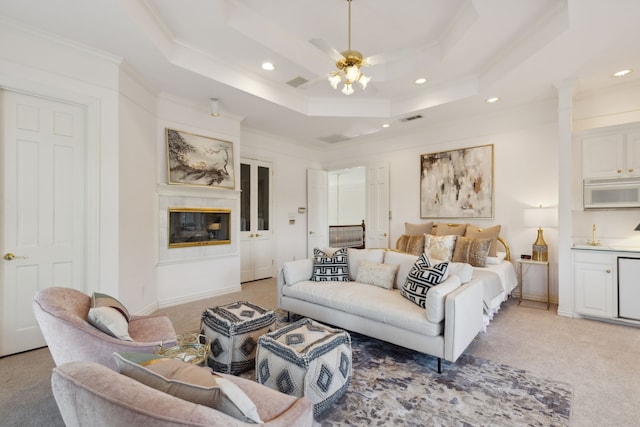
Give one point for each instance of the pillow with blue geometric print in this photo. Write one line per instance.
(422, 277)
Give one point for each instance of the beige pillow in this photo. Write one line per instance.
(443, 229)
(377, 274)
(401, 243)
(485, 233)
(110, 321)
(439, 247)
(472, 251)
(188, 382)
(415, 245)
(418, 229)
(103, 300)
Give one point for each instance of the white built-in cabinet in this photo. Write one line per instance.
(593, 283)
(611, 153)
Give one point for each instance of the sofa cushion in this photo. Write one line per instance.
(103, 300)
(110, 321)
(188, 382)
(487, 233)
(421, 278)
(377, 274)
(404, 262)
(472, 251)
(298, 270)
(463, 270)
(330, 268)
(355, 256)
(368, 302)
(439, 247)
(443, 229)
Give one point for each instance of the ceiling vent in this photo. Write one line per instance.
(297, 82)
(332, 139)
(408, 119)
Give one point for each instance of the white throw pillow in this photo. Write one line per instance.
(463, 270)
(110, 321)
(377, 274)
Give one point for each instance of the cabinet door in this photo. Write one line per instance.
(593, 287)
(603, 156)
(632, 168)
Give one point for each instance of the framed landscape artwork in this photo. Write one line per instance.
(457, 183)
(199, 160)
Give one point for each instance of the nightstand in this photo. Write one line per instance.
(528, 264)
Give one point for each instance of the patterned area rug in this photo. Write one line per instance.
(400, 387)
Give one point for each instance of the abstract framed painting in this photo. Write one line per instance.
(457, 183)
(199, 160)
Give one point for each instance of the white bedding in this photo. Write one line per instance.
(499, 281)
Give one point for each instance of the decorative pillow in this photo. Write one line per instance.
(443, 229)
(104, 300)
(418, 229)
(415, 245)
(423, 277)
(439, 247)
(485, 233)
(333, 268)
(401, 243)
(462, 270)
(472, 251)
(110, 321)
(377, 274)
(188, 382)
(404, 262)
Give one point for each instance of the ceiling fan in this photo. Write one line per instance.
(348, 62)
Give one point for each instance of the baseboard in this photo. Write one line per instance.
(196, 297)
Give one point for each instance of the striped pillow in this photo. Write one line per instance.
(423, 277)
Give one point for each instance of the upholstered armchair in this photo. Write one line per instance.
(62, 314)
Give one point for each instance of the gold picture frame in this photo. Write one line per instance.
(199, 160)
(457, 183)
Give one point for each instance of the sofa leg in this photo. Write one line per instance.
(288, 316)
(439, 365)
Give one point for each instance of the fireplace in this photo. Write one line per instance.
(198, 227)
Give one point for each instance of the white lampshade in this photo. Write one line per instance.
(541, 217)
(215, 107)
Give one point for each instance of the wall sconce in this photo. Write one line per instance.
(540, 217)
(215, 108)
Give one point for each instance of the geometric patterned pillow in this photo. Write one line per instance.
(423, 277)
(333, 268)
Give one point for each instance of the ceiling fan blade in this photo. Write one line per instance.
(396, 55)
(326, 48)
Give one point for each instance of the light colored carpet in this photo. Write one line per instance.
(598, 359)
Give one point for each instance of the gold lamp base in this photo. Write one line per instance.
(540, 250)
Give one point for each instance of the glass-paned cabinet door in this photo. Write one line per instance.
(245, 197)
(255, 200)
(263, 197)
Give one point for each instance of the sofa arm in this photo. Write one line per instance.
(463, 318)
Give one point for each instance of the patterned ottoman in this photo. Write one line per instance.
(307, 359)
(233, 331)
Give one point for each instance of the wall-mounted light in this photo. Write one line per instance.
(215, 108)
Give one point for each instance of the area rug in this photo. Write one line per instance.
(394, 386)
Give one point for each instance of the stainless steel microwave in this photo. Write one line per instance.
(610, 193)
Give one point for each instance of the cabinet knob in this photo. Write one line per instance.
(608, 270)
(619, 171)
(630, 170)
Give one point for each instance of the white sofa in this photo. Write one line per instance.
(451, 320)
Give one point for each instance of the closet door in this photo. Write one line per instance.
(256, 234)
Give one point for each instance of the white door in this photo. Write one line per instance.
(377, 212)
(43, 182)
(256, 229)
(317, 210)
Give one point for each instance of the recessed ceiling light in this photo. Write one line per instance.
(492, 100)
(621, 73)
(386, 125)
(420, 81)
(268, 66)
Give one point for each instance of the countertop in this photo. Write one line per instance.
(607, 248)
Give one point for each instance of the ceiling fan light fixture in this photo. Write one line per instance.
(364, 80)
(347, 89)
(334, 80)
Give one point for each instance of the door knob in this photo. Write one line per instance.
(384, 235)
(9, 256)
(311, 232)
(258, 235)
(251, 235)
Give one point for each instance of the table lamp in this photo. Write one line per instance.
(540, 217)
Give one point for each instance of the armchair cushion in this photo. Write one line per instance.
(110, 321)
(188, 382)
